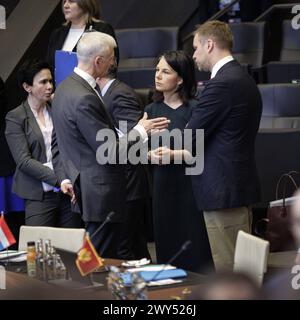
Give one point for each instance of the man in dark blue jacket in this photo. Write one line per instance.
(229, 111)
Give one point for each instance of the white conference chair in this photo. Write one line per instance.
(63, 238)
(251, 256)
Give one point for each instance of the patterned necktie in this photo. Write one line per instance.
(98, 90)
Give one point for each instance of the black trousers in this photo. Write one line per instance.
(133, 243)
(53, 211)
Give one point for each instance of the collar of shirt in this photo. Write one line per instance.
(106, 87)
(45, 112)
(219, 65)
(46, 130)
(85, 76)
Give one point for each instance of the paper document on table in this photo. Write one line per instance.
(153, 267)
(136, 263)
(163, 282)
(13, 256)
(16, 259)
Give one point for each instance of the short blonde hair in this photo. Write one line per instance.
(218, 31)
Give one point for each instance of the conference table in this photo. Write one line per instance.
(21, 287)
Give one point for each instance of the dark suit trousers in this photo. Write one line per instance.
(133, 236)
(107, 240)
(53, 211)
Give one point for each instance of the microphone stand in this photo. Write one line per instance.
(173, 258)
(182, 249)
(108, 219)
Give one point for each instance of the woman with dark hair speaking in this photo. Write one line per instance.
(29, 134)
(80, 16)
(176, 218)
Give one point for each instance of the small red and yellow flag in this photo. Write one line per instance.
(88, 259)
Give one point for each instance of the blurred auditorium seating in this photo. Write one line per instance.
(139, 50)
(145, 95)
(249, 42)
(287, 68)
(283, 72)
(140, 47)
(277, 139)
(248, 49)
(138, 78)
(290, 50)
(276, 152)
(280, 106)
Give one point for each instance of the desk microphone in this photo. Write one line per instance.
(183, 248)
(107, 219)
(173, 258)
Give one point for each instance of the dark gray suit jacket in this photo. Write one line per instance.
(123, 104)
(27, 146)
(78, 114)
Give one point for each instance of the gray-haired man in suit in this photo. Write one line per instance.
(78, 115)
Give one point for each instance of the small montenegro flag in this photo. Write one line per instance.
(87, 258)
(6, 237)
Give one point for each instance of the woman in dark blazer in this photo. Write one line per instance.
(80, 15)
(29, 134)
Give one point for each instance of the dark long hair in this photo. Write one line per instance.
(184, 65)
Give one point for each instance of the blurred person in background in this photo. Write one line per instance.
(227, 286)
(80, 15)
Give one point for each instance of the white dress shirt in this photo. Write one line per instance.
(87, 77)
(72, 38)
(47, 137)
(107, 86)
(219, 65)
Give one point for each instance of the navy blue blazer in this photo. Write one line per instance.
(229, 111)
